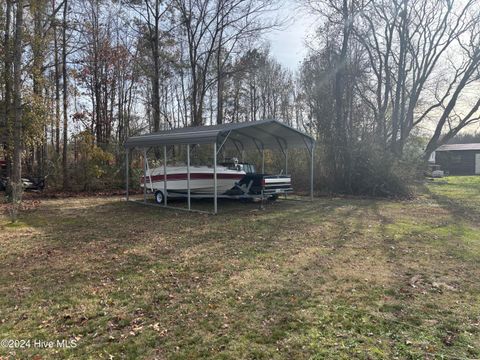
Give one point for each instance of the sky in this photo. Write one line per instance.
(287, 44)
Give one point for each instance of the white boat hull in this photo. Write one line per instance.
(201, 180)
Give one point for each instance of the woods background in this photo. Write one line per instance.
(383, 85)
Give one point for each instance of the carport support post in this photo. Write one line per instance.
(263, 160)
(286, 161)
(188, 177)
(286, 166)
(165, 196)
(144, 175)
(126, 172)
(215, 207)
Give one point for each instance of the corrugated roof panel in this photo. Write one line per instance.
(459, 147)
(269, 134)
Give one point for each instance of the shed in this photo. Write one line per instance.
(459, 159)
(260, 135)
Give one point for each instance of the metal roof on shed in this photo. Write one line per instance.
(269, 134)
(459, 147)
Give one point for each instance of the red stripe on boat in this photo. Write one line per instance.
(193, 176)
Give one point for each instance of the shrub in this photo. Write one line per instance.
(377, 173)
(94, 166)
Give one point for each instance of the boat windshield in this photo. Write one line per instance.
(248, 168)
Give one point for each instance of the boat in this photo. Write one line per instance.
(201, 179)
(234, 180)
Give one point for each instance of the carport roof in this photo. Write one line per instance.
(459, 147)
(267, 134)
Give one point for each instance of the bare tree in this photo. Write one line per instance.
(409, 45)
(153, 14)
(65, 96)
(16, 179)
(338, 50)
(7, 75)
(451, 122)
(213, 29)
(57, 83)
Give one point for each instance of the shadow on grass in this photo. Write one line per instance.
(459, 209)
(107, 269)
(110, 240)
(129, 256)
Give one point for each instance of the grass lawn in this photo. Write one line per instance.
(336, 278)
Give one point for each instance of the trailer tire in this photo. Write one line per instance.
(273, 197)
(159, 197)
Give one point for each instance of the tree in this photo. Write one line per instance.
(410, 46)
(7, 72)
(336, 58)
(57, 85)
(257, 87)
(65, 96)
(39, 41)
(399, 67)
(153, 17)
(96, 67)
(16, 179)
(213, 30)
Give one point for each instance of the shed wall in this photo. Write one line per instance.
(457, 162)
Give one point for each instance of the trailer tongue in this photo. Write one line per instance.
(255, 185)
(258, 185)
(277, 184)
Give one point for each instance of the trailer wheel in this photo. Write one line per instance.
(159, 198)
(273, 197)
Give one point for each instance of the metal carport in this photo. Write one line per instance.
(265, 134)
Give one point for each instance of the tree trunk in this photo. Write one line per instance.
(8, 82)
(220, 80)
(65, 96)
(343, 164)
(38, 50)
(57, 91)
(220, 85)
(194, 102)
(398, 103)
(155, 78)
(16, 180)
